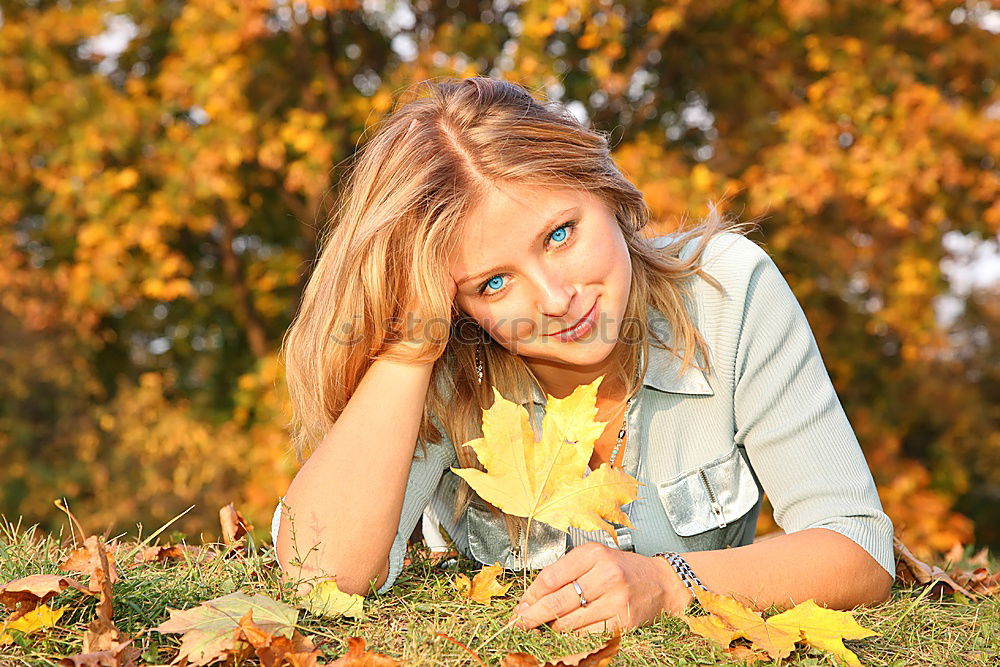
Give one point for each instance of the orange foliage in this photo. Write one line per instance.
(159, 207)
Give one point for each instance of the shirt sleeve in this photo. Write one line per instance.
(788, 416)
(425, 474)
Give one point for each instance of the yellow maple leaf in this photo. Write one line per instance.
(729, 620)
(484, 586)
(326, 599)
(545, 481)
(823, 628)
(38, 618)
(807, 622)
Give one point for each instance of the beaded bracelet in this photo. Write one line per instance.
(683, 570)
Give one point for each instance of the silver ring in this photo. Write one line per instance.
(579, 591)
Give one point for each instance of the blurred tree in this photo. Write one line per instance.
(162, 200)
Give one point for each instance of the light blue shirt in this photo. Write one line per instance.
(705, 446)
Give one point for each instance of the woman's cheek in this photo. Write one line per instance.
(523, 329)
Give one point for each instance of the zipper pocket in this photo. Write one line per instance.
(716, 506)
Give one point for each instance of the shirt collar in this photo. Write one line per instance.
(663, 373)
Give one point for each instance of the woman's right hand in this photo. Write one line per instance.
(417, 326)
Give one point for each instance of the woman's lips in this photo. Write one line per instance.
(581, 328)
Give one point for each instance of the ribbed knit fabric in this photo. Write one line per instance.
(705, 446)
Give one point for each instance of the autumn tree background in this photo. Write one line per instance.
(166, 168)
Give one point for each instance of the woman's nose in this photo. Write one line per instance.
(554, 293)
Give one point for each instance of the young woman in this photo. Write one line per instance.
(487, 239)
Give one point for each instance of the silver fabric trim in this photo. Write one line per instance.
(689, 503)
(489, 542)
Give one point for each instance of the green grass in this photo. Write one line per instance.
(404, 622)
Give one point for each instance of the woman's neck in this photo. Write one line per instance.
(561, 381)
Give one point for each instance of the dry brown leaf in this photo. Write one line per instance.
(357, 656)
(272, 650)
(235, 527)
(24, 594)
(910, 569)
(806, 622)
(156, 554)
(981, 558)
(954, 554)
(980, 581)
(118, 655)
(599, 657)
(484, 586)
(101, 634)
(87, 560)
(208, 630)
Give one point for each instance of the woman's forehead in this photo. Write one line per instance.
(508, 218)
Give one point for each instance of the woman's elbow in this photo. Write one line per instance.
(882, 588)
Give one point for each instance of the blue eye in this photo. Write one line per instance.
(496, 282)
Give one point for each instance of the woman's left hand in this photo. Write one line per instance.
(623, 590)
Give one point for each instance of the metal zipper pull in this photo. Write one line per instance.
(715, 505)
(515, 549)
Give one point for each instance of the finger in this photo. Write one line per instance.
(592, 616)
(577, 562)
(553, 606)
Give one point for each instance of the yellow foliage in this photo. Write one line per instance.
(326, 599)
(547, 481)
(484, 586)
(39, 618)
(806, 622)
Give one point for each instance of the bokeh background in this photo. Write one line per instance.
(166, 168)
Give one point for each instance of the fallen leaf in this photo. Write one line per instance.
(823, 628)
(806, 622)
(101, 634)
(981, 558)
(599, 657)
(484, 586)
(235, 527)
(24, 594)
(357, 656)
(745, 654)
(326, 599)
(119, 655)
(910, 569)
(272, 650)
(157, 554)
(547, 481)
(37, 619)
(208, 630)
(728, 619)
(955, 554)
(980, 581)
(87, 560)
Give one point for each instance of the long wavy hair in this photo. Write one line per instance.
(406, 193)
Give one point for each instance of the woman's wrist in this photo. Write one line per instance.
(676, 596)
(680, 582)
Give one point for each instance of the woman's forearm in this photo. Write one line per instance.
(342, 509)
(816, 563)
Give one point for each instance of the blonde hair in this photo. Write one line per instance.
(405, 197)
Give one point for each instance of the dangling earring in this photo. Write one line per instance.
(479, 363)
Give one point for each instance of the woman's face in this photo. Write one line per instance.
(535, 261)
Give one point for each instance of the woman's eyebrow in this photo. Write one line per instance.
(539, 237)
